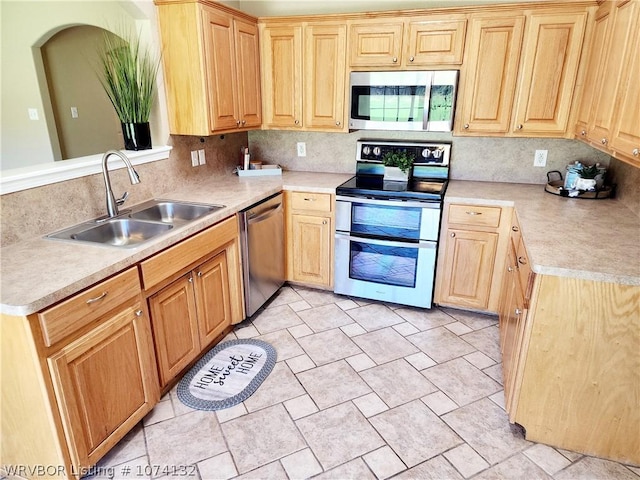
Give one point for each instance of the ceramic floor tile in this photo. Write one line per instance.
(405, 329)
(435, 469)
(486, 340)
(347, 304)
(325, 317)
(420, 361)
(384, 463)
(301, 330)
(279, 386)
(473, 320)
(230, 413)
(466, 460)
(339, 434)
(498, 399)
(130, 447)
(572, 456)
(479, 360)
(285, 345)
(299, 306)
(458, 328)
(285, 295)
(316, 298)
(439, 403)
(384, 345)
(414, 432)
(517, 467)
(179, 408)
(485, 427)
(353, 329)
(162, 411)
(360, 362)
(300, 407)
(246, 331)
(300, 363)
(262, 437)
(301, 465)
(272, 471)
(353, 470)
(374, 316)
(220, 467)
(596, 469)
(494, 372)
(170, 443)
(370, 405)
(441, 344)
(425, 319)
(137, 468)
(276, 318)
(329, 346)
(333, 384)
(397, 382)
(461, 381)
(547, 458)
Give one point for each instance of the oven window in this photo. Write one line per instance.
(386, 221)
(383, 264)
(388, 104)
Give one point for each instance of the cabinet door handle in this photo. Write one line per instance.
(519, 126)
(604, 141)
(635, 152)
(296, 122)
(244, 121)
(522, 260)
(515, 228)
(338, 123)
(199, 273)
(466, 126)
(453, 234)
(97, 299)
(324, 222)
(509, 268)
(411, 59)
(138, 313)
(518, 312)
(471, 212)
(190, 279)
(237, 122)
(583, 133)
(395, 59)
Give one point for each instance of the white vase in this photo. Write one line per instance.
(585, 184)
(395, 174)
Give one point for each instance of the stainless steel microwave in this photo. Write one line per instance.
(408, 100)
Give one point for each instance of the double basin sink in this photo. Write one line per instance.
(137, 225)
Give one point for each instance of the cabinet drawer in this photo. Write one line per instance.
(82, 309)
(475, 215)
(169, 262)
(317, 202)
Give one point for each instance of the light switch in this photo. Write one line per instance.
(74, 112)
(201, 159)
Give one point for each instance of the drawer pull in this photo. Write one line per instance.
(522, 260)
(309, 199)
(515, 228)
(324, 222)
(97, 299)
(474, 213)
(138, 313)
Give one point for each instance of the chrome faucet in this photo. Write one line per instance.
(112, 203)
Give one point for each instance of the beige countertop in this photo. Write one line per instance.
(40, 272)
(567, 237)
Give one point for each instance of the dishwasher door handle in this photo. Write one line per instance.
(270, 212)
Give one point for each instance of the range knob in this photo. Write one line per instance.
(426, 153)
(437, 153)
(376, 151)
(366, 149)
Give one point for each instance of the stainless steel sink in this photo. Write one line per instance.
(133, 227)
(168, 211)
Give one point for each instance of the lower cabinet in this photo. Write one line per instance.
(188, 314)
(309, 232)
(470, 258)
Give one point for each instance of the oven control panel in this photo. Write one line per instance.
(422, 152)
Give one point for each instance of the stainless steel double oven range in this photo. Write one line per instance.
(387, 231)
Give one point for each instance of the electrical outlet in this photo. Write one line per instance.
(201, 159)
(33, 114)
(540, 158)
(301, 147)
(194, 158)
(74, 112)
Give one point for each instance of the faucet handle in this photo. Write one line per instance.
(122, 199)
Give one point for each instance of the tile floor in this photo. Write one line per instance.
(361, 390)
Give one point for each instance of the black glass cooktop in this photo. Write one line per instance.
(375, 186)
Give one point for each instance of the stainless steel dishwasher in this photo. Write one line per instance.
(262, 239)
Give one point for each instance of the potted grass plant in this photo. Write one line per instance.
(397, 166)
(128, 75)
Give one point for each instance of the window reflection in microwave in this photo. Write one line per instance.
(392, 104)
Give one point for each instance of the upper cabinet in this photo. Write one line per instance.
(609, 113)
(519, 73)
(304, 76)
(211, 67)
(423, 41)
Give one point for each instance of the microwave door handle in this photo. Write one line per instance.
(427, 101)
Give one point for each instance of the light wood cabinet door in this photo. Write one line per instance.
(175, 327)
(551, 56)
(310, 249)
(375, 43)
(213, 299)
(489, 74)
(434, 40)
(325, 77)
(247, 63)
(282, 76)
(105, 382)
(468, 268)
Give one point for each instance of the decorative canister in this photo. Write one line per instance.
(572, 175)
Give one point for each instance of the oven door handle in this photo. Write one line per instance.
(387, 243)
(388, 203)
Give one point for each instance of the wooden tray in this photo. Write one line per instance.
(557, 188)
